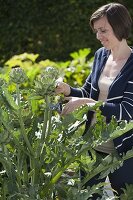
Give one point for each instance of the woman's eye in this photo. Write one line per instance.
(103, 31)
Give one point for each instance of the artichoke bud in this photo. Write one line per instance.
(52, 73)
(17, 75)
(45, 84)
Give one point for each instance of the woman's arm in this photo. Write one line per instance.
(122, 110)
(74, 103)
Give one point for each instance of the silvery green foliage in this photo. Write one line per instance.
(37, 147)
(2, 82)
(127, 193)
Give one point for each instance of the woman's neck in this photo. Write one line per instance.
(121, 51)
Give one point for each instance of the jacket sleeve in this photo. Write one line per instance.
(84, 91)
(122, 110)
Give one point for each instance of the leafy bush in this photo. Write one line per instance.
(52, 29)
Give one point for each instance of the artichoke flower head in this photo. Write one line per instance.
(46, 82)
(18, 75)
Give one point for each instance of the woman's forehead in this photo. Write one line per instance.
(101, 23)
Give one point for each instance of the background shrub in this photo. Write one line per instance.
(52, 29)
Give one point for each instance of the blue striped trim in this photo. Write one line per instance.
(126, 111)
(93, 88)
(126, 138)
(119, 97)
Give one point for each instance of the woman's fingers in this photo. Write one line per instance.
(59, 88)
(63, 88)
(73, 103)
(66, 99)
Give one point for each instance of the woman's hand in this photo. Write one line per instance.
(74, 103)
(62, 88)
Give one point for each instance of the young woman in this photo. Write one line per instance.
(111, 81)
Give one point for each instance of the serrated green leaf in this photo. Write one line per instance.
(9, 98)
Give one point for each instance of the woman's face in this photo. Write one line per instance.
(105, 34)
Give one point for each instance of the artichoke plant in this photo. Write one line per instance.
(38, 147)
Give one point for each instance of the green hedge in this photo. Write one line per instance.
(51, 28)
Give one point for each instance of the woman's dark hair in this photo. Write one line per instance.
(117, 16)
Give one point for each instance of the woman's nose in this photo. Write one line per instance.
(98, 35)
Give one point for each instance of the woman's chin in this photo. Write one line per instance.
(106, 47)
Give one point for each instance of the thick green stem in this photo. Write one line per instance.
(35, 164)
(25, 173)
(20, 159)
(60, 171)
(32, 175)
(45, 124)
(23, 131)
(35, 171)
(49, 125)
(45, 121)
(48, 132)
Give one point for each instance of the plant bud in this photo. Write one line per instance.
(17, 75)
(46, 82)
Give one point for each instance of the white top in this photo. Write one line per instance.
(104, 84)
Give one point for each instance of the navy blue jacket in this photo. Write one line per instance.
(119, 101)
